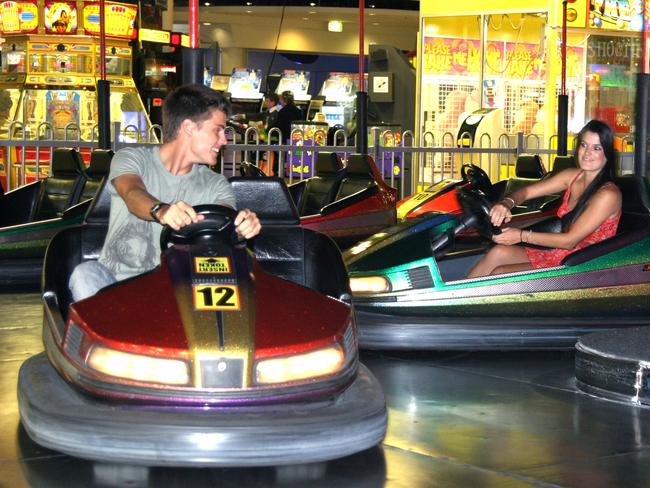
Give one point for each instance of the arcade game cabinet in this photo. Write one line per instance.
(50, 65)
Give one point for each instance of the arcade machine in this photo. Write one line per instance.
(156, 70)
(474, 131)
(244, 88)
(339, 90)
(298, 83)
(49, 70)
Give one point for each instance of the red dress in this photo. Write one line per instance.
(546, 258)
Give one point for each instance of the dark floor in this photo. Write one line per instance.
(455, 419)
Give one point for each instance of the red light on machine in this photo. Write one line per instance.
(168, 69)
(157, 102)
(175, 39)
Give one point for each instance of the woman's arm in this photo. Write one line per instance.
(604, 204)
(501, 212)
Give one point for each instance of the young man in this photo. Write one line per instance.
(155, 186)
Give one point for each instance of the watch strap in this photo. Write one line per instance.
(154, 210)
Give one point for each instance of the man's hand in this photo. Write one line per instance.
(247, 224)
(178, 215)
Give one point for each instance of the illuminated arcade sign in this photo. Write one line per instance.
(462, 57)
(18, 17)
(60, 17)
(620, 15)
(625, 15)
(119, 19)
(153, 35)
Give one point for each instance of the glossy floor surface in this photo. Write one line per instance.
(455, 420)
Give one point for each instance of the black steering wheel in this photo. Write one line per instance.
(249, 170)
(477, 178)
(218, 222)
(476, 213)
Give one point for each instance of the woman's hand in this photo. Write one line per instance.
(509, 236)
(500, 214)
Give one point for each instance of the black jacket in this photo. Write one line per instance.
(286, 115)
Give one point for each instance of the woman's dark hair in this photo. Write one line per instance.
(194, 102)
(606, 135)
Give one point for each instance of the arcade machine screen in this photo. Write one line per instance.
(339, 92)
(244, 87)
(296, 82)
(220, 83)
(127, 109)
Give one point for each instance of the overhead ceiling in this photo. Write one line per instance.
(385, 4)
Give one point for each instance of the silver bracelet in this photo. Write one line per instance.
(508, 198)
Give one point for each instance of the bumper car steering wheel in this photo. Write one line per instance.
(218, 222)
(477, 178)
(476, 213)
(249, 170)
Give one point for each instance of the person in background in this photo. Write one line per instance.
(159, 185)
(590, 209)
(287, 114)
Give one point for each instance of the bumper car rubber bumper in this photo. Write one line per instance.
(58, 416)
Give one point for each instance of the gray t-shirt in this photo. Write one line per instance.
(132, 245)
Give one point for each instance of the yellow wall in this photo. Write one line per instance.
(466, 7)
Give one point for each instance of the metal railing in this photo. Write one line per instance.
(408, 166)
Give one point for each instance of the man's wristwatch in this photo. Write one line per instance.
(154, 210)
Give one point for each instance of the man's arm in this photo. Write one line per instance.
(139, 202)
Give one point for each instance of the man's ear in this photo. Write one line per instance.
(188, 127)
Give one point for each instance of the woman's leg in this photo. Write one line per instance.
(503, 259)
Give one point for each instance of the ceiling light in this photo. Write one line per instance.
(305, 18)
(312, 12)
(249, 3)
(371, 14)
(312, 4)
(207, 23)
(207, 4)
(335, 26)
(249, 11)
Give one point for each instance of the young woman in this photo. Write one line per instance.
(590, 210)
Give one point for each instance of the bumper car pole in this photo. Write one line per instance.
(192, 56)
(641, 104)
(362, 96)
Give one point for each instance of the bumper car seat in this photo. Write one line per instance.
(285, 249)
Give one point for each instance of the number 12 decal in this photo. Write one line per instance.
(216, 297)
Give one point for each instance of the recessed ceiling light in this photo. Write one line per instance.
(207, 4)
(249, 3)
(312, 4)
(207, 23)
(371, 14)
(371, 6)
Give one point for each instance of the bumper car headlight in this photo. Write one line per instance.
(312, 364)
(369, 284)
(137, 367)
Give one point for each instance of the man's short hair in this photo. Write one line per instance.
(194, 102)
(273, 97)
(288, 96)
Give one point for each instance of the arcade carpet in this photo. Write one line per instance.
(457, 419)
